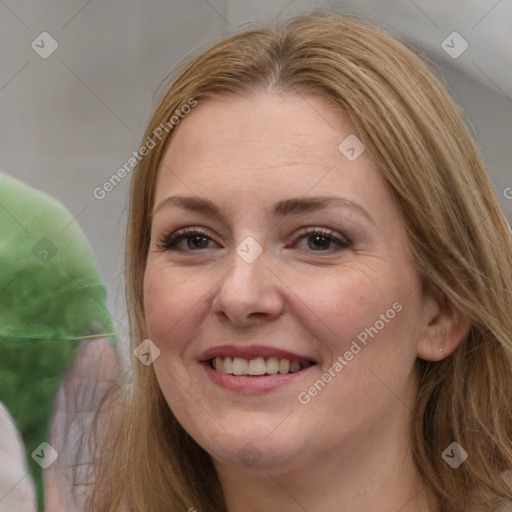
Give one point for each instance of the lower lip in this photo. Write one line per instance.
(248, 385)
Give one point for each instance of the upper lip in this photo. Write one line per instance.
(252, 352)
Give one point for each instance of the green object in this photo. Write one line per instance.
(51, 298)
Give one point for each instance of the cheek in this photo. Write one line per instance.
(170, 304)
(347, 303)
(373, 325)
(167, 301)
(369, 315)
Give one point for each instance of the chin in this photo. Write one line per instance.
(251, 447)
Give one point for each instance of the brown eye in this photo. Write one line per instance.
(194, 238)
(320, 240)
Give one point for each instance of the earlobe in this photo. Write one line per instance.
(443, 334)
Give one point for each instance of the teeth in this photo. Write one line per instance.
(239, 366)
(272, 365)
(228, 365)
(284, 366)
(258, 366)
(294, 366)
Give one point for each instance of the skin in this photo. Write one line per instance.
(93, 373)
(347, 447)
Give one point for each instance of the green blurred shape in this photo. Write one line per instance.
(51, 298)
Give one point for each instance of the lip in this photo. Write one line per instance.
(252, 352)
(248, 385)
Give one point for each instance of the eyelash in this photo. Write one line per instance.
(169, 241)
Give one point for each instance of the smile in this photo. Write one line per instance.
(254, 369)
(258, 366)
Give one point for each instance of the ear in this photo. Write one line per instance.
(445, 330)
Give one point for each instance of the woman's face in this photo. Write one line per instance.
(289, 254)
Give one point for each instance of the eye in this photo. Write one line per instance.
(195, 238)
(320, 239)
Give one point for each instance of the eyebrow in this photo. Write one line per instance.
(292, 206)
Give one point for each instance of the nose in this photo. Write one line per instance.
(249, 294)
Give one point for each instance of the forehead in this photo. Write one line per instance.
(283, 125)
(267, 143)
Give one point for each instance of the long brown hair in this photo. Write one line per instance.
(458, 235)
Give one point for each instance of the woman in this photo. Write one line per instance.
(319, 267)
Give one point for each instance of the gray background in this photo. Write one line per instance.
(69, 121)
